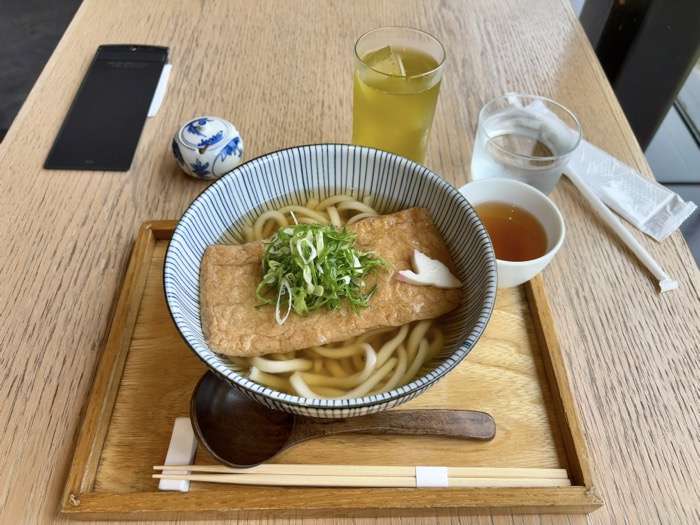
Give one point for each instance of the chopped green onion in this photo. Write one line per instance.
(283, 289)
(309, 266)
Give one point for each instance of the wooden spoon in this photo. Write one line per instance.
(241, 432)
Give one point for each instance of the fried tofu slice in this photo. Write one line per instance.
(233, 324)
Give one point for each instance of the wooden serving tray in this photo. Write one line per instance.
(147, 373)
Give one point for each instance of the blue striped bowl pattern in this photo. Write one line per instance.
(292, 176)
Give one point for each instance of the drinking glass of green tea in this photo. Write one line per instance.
(526, 138)
(395, 90)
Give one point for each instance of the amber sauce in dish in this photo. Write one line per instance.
(515, 233)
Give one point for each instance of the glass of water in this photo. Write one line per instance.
(526, 138)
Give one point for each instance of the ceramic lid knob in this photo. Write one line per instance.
(207, 147)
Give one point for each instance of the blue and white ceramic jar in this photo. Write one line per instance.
(208, 147)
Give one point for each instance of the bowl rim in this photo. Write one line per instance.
(416, 385)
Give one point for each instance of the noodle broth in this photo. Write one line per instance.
(375, 362)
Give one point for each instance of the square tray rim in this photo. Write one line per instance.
(80, 501)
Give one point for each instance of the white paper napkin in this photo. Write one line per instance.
(649, 206)
(644, 203)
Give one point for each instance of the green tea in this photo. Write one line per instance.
(394, 97)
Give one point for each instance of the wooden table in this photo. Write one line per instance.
(281, 72)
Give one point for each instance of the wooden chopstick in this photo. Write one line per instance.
(360, 481)
(372, 470)
(364, 475)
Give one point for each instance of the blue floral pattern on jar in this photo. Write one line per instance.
(207, 147)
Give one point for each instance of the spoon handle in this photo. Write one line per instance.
(461, 424)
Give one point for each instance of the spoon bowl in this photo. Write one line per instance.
(240, 432)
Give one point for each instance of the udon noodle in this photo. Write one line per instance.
(374, 362)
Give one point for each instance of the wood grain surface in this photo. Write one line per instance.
(281, 72)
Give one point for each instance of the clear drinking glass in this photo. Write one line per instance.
(526, 138)
(395, 89)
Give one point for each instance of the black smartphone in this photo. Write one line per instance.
(105, 120)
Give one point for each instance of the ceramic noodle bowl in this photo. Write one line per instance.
(207, 147)
(295, 175)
